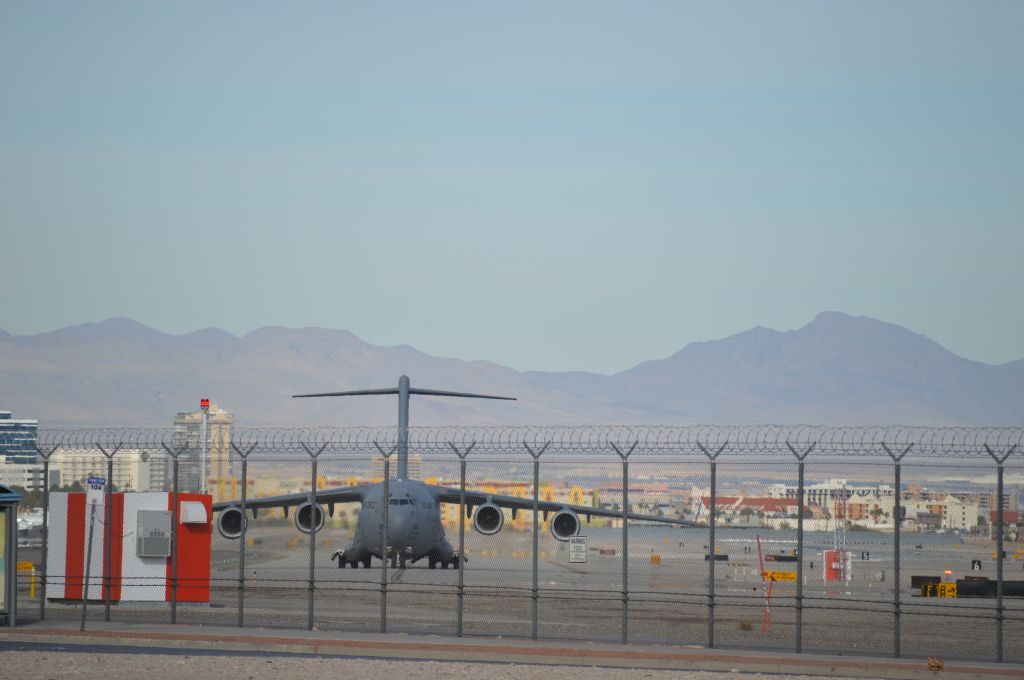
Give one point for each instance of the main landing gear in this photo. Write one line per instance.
(453, 562)
(342, 562)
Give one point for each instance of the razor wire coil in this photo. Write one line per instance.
(699, 440)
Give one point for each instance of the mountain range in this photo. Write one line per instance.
(838, 369)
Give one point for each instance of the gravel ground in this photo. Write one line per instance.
(46, 665)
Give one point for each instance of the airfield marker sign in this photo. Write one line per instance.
(94, 490)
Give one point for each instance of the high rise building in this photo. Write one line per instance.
(205, 456)
(134, 470)
(18, 439)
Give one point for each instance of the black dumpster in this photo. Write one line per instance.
(975, 587)
(917, 581)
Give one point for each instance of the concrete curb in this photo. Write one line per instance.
(400, 647)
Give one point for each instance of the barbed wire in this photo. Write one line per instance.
(955, 442)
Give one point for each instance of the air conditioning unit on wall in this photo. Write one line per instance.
(154, 533)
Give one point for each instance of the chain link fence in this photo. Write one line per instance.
(879, 541)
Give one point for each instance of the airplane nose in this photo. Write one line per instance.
(399, 524)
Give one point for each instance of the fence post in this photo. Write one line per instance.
(88, 564)
(712, 457)
(896, 524)
(46, 528)
(799, 544)
(245, 524)
(625, 537)
(535, 588)
(462, 535)
(384, 539)
(313, 524)
(174, 532)
(108, 527)
(999, 547)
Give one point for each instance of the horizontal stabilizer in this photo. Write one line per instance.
(412, 390)
(352, 393)
(441, 393)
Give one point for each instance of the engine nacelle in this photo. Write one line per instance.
(488, 519)
(565, 524)
(231, 522)
(309, 517)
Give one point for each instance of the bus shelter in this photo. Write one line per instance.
(8, 554)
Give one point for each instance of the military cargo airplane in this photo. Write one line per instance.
(414, 529)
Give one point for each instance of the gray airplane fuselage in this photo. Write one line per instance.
(414, 528)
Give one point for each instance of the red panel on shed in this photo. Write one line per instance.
(74, 561)
(194, 544)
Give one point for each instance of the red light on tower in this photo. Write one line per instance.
(204, 404)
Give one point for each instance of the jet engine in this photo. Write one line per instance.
(231, 522)
(565, 524)
(309, 517)
(488, 519)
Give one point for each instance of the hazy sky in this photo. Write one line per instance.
(546, 185)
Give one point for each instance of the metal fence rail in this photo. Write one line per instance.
(525, 587)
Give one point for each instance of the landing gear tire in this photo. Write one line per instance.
(366, 562)
(401, 563)
(433, 564)
(394, 562)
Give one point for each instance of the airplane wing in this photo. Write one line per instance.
(446, 494)
(346, 494)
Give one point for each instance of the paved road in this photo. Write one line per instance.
(98, 662)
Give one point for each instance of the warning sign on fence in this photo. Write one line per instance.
(577, 548)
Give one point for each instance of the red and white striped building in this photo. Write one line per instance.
(132, 577)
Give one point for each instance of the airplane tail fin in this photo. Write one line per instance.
(404, 390)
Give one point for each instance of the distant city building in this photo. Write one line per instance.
(28, 476)
(134, 469)
(197, 468)
(18, 439)
(750, 506)
(827, 494)
(415, 467)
